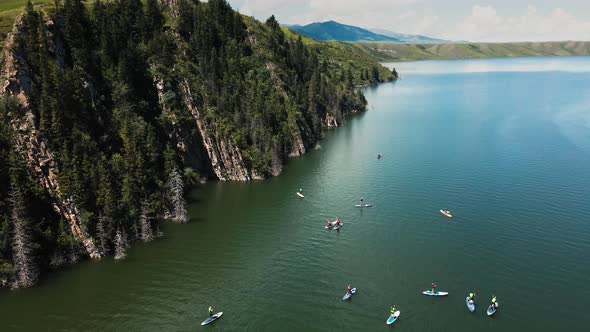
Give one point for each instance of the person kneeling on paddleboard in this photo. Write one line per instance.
(433, 287)
(392, 310)
(210, 311)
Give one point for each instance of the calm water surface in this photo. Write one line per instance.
(504, 144)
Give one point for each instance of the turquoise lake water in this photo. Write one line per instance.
(502, 143)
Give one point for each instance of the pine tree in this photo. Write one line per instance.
(147, 234)
(102, 234)
(120, 244)
(176, 196)
(22, 244)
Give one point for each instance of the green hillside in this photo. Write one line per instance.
(358, 58)
(10, 9)
(407, 52)
(106, 114)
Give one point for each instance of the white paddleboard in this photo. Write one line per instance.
(363, 205)
(212, 318)
(470, 306)
(446, 214)
(348, 295)
(492, 310)
(436, 293)
(393, 317)
(300, 194)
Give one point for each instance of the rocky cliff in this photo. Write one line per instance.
(30, 143)
(119, 108)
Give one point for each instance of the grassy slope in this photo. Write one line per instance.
(10, 9)
(402, 52)
(344, 53)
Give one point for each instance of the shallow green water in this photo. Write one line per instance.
(504, 144)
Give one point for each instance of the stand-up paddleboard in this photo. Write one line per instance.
(331, 223)
(436, 293)
(212, 318)
(492, 310)
(446, 213)
(300, 194)
(348, 295)
(364, 205)
(338, 226)
(393, 317)
(470, 306)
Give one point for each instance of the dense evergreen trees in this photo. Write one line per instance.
(111, 107)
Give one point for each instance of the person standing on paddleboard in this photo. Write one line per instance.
(210, 311)
(471, 297)
(362, 201)
(433, 287)
(348, 289)
(392, 310)
(494, 302)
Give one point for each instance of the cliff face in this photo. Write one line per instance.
(31, 144)
(225, 158)
(121, 106)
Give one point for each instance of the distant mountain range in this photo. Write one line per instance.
(410, 39)
(332, 30)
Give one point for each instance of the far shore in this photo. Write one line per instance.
(394, 52)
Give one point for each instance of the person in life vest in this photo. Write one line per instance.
(471, 297)
(392, 310)
(494, 302)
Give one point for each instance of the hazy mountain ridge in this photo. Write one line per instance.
(332, 30)
(408, 52)
(409, 38)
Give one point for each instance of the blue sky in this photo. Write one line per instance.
(491, 20)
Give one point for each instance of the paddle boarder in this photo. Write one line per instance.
(433, 287)
(494, 302)
(210, 311)
(348, 289)
(392, 310)
(471, 297)
(362, 201)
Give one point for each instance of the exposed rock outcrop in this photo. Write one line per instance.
(330, 121)
(298, 148)
(30, 143)
(225, 157)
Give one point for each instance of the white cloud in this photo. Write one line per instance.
(482, 23)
